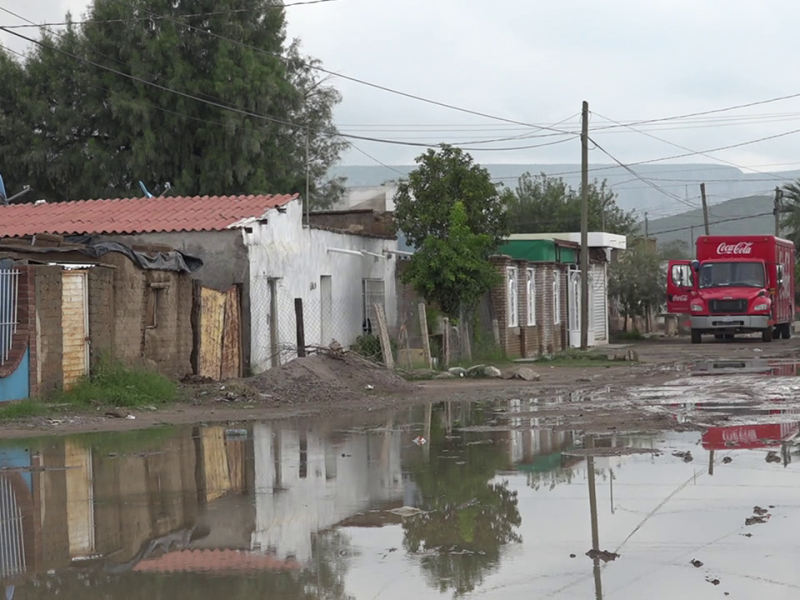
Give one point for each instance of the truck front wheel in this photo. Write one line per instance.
(766, 334)
(696, 336)
(786, 331)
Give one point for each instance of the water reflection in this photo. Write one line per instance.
(304, 509)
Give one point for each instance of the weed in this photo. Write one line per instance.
(113, 384)
(22, 409)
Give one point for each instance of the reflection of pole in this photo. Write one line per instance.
(598, 584)
(387, 443)
(448, 415)
(426, 448)
(611, 487)
(711, 462)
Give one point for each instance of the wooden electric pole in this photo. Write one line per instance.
(585, 226)
(776, 210)
(705, 207)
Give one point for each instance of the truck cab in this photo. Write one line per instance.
(735, 286)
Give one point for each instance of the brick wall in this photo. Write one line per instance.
(101, 313)
(545, 336)
(49, 372)
(167, 347)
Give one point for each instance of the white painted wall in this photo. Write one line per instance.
(297, 257)
(341, 480)
(377, 197)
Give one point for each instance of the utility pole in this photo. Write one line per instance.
(776, 210)
(705, 207)
(585, 226)
(308, 180)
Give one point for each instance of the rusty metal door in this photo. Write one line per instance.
(75, 326)
(220, 355)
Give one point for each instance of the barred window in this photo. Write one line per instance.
(373, 292)
(531, 297)
(513, 297)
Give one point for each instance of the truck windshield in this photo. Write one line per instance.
(732, 274)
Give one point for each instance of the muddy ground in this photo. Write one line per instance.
(624, 397)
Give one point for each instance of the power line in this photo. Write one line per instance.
(349, 78)
(655, 137)
(688, 227)
(219, 104)
(645, 180)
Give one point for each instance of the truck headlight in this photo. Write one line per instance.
(763, 306)
(697, 308)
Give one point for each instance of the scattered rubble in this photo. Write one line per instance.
(686, 456)
(773, 457)
(756, 520)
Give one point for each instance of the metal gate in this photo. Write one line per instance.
(9, 289)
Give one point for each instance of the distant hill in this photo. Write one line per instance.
(750, 215)
(722, 182)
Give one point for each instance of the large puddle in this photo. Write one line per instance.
(456, 500)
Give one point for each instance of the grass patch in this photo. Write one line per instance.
(629, 336)
(113, 384)
(22, 409)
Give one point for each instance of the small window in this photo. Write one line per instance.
(513, 297)
(531, 297)
(556, 297)
(155, 296)
(682, 275)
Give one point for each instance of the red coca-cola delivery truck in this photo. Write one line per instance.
(737, 284)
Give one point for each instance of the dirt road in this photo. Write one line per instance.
(627, 397)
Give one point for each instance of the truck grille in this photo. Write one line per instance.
(728, 306)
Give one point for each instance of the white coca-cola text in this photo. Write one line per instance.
(740, 248)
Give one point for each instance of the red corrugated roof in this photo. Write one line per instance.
(223, 560)
(135, 215)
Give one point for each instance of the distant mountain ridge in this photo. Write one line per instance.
(679, 180)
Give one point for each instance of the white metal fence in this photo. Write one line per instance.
(9, 290)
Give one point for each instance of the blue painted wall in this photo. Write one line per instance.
(17, 385)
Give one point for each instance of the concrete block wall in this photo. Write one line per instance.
(49, 373)
(168, 346)
(546, 336)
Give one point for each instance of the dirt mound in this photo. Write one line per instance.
(322, 378)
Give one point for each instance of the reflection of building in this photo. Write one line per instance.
(183, 501)
(306, 484)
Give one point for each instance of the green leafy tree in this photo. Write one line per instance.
(542, 204)
(451, 269)
(424, 203)
(675, 250)
(637, 280)
(790, 223)
(95, 133)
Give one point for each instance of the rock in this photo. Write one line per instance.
(696, 563)
(526, 374)
(604, 555)
(772, 457)
(493, 373)
(477, 371)
(727, 460)
(457, 371)
(445, 375)
(756, 520)
(757, 510)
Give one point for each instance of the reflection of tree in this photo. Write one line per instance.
(467, 518)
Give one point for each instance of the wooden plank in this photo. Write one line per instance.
(426, 340)
(74, 317)
(231, 359)
(383, 333)
(212, 309)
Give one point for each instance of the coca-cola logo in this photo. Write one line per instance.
(740, 248)
(680, 298)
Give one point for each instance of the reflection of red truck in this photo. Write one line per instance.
(737, 284)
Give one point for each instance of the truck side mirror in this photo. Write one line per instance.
(695, 265)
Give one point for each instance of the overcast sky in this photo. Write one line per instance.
(535, 62)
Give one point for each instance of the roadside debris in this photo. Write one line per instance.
(759, 511)
(419, 440)
(727, 460)
(405, 511)
(686, 456)
(696, 563)
(773, 457)
(756, 520)
(713, 581)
